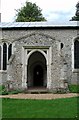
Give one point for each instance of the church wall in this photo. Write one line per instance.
(59, 36)
(3, 77)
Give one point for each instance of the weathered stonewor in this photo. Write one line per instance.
(40, 57)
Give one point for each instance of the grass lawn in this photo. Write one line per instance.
(58, 108)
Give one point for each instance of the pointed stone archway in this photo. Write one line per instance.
(37, 70)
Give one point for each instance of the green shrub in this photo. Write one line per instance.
(2, 87)
(74, 88)
(3, 90)
(14, 92)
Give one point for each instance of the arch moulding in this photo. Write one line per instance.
(37, 50)
(26, 53)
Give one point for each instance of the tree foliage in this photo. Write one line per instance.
(76, 17)
(29, 12)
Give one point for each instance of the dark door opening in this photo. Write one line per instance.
(38, 76)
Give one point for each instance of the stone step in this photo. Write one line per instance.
(37, 90)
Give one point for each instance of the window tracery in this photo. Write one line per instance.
(5, 54)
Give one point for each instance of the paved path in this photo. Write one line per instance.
(40, 96)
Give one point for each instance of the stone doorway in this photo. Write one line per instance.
(38, 76)
(37, 70)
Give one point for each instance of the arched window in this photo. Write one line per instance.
(4, 56)
(76, 54)
(9, 51)
(0, 57)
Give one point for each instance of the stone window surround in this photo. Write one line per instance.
(1, 44)
(25, 57)
(72, 49)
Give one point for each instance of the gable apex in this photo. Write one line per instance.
(36, 35)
